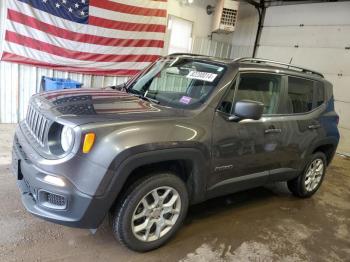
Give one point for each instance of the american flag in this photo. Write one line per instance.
(103, 37)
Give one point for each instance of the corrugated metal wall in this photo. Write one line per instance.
(19, 82)
(204, 46)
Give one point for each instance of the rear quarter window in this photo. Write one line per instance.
(300, 95)
(319, 93)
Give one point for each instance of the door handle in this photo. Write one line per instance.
(273, 130)
(314, 126)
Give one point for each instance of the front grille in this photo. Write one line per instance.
(37, 124)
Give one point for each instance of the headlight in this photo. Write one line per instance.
(67, 138)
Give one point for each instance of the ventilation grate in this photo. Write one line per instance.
(52, 200)
(228, 17)
(56, 200)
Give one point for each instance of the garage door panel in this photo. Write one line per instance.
(341, 87)
(311, 36)
(324, 60)
(338, 60)
(304, 14)
(343, 109)
(344, 144)
(276, 53)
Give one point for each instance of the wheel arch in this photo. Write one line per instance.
(327, 146)
(191, 160)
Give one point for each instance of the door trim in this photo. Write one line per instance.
(239, 179)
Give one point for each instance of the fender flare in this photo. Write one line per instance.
(121, 172)
(322, 142)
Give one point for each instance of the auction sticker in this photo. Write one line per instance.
(185, 100)
(208, 77)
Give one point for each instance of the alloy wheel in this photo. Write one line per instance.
(314, 174)
(156, 214)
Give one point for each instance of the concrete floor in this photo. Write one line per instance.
(265, 224)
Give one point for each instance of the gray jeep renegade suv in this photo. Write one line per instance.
(186, 129)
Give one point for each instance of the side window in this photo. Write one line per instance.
(300, 95)
(227, 100)
(319, 93)
(261, 87)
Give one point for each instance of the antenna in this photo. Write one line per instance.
(290, 62)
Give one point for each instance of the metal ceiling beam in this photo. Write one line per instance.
(260, 8)
(252, 2)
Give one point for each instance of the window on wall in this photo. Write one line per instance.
(300, 95)
(180, 30)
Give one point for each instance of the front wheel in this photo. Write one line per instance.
(151, 212)
(307, 183)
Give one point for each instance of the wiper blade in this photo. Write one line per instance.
(155, 101)
(142, 96)
(120, 87)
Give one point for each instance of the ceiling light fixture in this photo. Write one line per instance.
(186, 2)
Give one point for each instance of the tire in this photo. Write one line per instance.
(133, 205)
(303, 186)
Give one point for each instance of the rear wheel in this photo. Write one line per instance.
(311, 179)
(151, 212)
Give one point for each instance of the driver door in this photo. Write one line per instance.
(245, 151)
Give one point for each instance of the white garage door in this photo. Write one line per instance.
(316, 36)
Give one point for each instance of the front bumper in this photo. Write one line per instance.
(64, 205)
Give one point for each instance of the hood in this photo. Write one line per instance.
(96, 105)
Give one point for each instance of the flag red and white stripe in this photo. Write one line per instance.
(105, 37)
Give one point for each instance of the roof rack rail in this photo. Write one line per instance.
(289, 66)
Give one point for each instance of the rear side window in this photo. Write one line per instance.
(300, 95)
(319, 89)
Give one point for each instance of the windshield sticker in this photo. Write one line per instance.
(204, 76)
(185, 100)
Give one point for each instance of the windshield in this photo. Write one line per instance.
(178, 82)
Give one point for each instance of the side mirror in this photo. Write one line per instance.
(247, 109)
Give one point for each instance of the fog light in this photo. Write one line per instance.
(53, 180)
